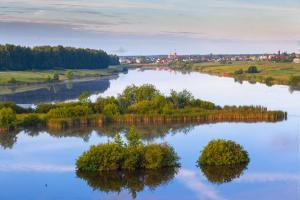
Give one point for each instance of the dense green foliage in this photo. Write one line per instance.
(15, 107)
(133, 155)
(7, 118)
(46, 57)
(222, 153)
(32, 120)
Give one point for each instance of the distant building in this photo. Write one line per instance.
(297, 59)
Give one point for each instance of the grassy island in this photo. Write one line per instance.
(223, 153)
(135, 105)
(132, 156)
(222, 161)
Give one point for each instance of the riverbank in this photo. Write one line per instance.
(33, 78)
(267, 72)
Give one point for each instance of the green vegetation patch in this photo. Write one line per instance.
(133, 155)
(223, 153)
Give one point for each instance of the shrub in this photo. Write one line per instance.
(153, 156)
(31, 120)
(110, 111)
(131, 156)
(45, 108)
(222, 153)
(102, 157)
(7, 118)
(102, 102)
(14, 107)
(68, 111)
(252, 70)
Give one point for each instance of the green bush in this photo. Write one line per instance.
(110, 111)
(8, 119)
(131, 156)
(68, 111)
(222, 153)
(15, 107)
(32, 120)
(45, 108)
(101, 157)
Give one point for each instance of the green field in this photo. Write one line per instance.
(31, 77)
(279, 73)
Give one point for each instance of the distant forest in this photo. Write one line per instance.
(14, 57)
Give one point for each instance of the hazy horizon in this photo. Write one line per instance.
(132, 27)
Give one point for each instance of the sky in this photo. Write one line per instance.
(151, 27)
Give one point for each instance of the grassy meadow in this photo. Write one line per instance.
(32, 77)
(278, 73)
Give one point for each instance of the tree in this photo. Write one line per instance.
(133, 138)
(181, 99)
(110, 110)
(47, 57)
(7, 118)
(84, 97)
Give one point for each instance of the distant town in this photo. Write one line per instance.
(167, 59)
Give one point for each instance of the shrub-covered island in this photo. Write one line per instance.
(144, 104)
(221, 161)
(132, 156)
(223, 153)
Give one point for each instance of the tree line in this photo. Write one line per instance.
(14, 57)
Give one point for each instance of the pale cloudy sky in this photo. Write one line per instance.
(128, 27)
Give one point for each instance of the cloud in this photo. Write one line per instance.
(34, 167)
(203, 192)
(268, 177)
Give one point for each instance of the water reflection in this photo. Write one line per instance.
(223, 174)
(35, 94)
(147, 132)
(7, 140)
(133, 181)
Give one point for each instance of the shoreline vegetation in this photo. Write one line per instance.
(269, 73)
(35, 78)
(135, 105)
(21, 65)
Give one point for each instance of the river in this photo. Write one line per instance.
(40, 165)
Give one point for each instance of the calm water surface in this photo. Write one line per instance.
(40, 165)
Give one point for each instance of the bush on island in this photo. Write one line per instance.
(133, 155)
(223, 153)
(32, 120)
(8, 119)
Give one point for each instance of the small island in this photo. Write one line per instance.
(132, 156)
(222, 161)
(135, 105)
